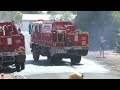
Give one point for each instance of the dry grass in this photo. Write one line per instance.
(118, 67)
(113, 56)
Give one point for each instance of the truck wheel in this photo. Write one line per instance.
(17, 67)
(48, 56)
(75, 60)
(85, 52)
(22, 66)
(51, 59)
(35, 57)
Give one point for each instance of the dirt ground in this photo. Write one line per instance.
(110, 61)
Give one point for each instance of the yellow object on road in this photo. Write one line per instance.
(76, 76)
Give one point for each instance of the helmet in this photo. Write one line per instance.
(76, 76)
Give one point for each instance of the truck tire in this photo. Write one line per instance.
(85, 52)
(35, 56)
(48, 56)
(75, 60)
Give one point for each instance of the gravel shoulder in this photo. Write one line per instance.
(111, 60)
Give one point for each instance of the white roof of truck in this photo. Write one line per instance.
(40, 16)
(36, 16)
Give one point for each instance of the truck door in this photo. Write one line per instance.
(35, 33)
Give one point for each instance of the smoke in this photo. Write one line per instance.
(97, 23)
(4, 16)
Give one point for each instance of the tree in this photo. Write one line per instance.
(65, 15)
(116, 17)
(18, 16)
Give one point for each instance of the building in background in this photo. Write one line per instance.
(28, 18)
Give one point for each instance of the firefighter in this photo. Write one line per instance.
(69, 42)
(76, 76)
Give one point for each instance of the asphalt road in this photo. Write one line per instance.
(44, 70)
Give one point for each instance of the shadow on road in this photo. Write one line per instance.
(97, 57)
(45, 62)
(100, 57)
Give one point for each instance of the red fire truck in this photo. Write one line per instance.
(12, 46)
(57, 40)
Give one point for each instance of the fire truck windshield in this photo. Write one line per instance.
(59, 27)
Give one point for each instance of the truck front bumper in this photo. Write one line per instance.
(82, 51)
(7, 57)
